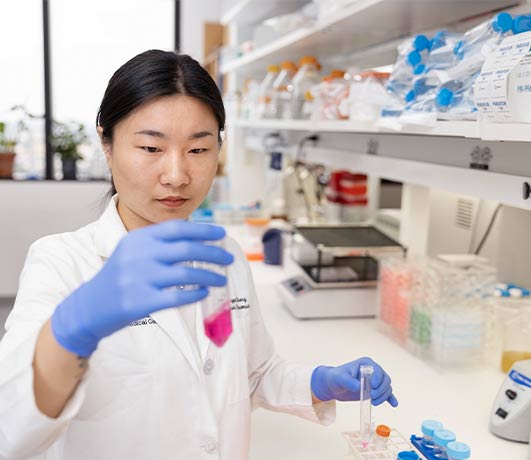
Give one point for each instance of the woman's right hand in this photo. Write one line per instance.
(134, 282)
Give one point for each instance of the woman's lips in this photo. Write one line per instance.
(173, 202)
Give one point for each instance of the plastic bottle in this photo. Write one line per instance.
(428, 428)
(328, 96)
(366, 95)
(216, 308)
(441, 438)
(281, 89)
(382, 436)
(516, 342)
(457, 451)
(304, 80)
(249, 105)
(265, 93)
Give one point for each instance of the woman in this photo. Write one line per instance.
(100, 359)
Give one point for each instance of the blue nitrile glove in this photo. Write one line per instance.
(133, 282)
(343, 383)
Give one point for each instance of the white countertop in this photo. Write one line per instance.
(460, 399)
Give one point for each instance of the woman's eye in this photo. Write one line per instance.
(150, 149)
(198, 150)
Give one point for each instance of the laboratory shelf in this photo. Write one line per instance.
(362, 24)
(488, 185)
(467, 129)
(253, 11)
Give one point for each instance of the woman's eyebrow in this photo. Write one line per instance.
(152, 132)
(200, 135)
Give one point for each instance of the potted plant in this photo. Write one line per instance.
(7, 153)
(66, 139)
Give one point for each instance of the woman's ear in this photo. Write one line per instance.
(106, 147)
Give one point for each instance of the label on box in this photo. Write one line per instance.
(504, 84)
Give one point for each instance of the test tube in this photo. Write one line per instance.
(457, 451)
(382, 437)
(441, 438)
(216, 308)
(428, 428)
(366, 372)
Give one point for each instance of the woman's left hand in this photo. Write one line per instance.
(343, 383)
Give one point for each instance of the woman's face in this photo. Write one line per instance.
(163, 159)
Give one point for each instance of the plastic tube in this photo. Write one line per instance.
(457, 451)
(441, 438)
(216, 309)
(366, 372)
(382, 437)
(428, 428)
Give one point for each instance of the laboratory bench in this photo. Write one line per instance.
(460, 398)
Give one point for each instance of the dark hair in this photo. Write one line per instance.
(150, 75)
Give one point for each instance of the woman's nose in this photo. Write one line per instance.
(174, 169)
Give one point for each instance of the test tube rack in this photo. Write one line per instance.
(428, 453)
(396, 443)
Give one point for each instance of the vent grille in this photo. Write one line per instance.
(465, 213)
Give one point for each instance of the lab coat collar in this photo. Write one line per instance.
(108, 232)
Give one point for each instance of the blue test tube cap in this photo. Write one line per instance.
(407, 455)
(414, 58)
(419, 69)
(410, 96)
(421, 43)
(502, 22)
(443, 437)
(521, 24)
(429, 426)
(445, 97)
(458, 450)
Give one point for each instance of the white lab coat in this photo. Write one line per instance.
(150, 391)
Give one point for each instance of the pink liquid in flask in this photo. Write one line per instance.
(218, 326)
(216, 308)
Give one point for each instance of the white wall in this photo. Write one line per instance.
(36, 209)
(193, 14)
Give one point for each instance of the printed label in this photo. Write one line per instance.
(502, 77)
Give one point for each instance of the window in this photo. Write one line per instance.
(89, 41)
(22, 81)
